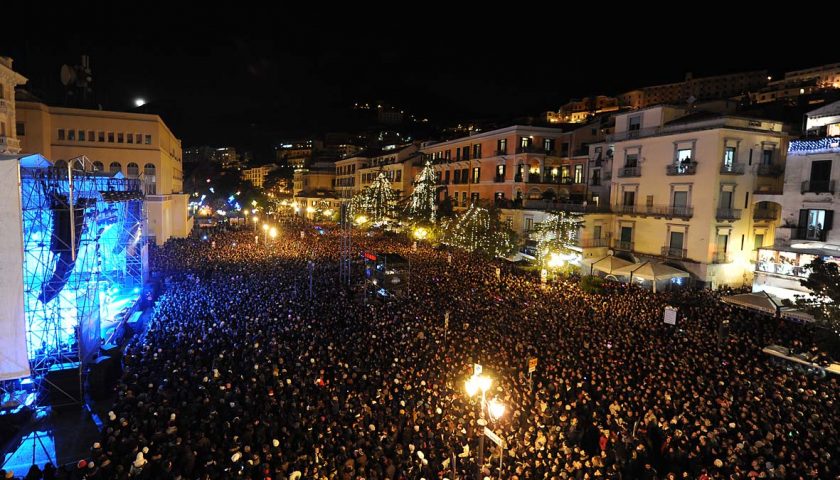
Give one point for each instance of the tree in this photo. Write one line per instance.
(421, 206)
(445, 209)
(480, 230)
(557, 234)
(377, 201)
(824, 303)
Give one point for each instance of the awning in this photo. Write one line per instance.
(606, 264)
(760, 301)
(651, 271)
(796, 314)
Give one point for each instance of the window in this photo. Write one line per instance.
(71, 135)
(476, 174)
(759, 241)
(548, 144)
(115, 167)
(457, 154)
(722, 243)
(457, 177)
(683, 156)
(477, 150)
(578, 173)
(629, 198)
(767, 156)
(446, 177)
(725, 200)
(680, 199)
(398, 178)
(626, 235)
(91, 136)
(101, 136)
(465, 153)
(133, 169)
(148, 139)
(564, 149)
(447, 155)
(129, 138)
(596, 199)
(631, 160)
(500, 172)
(529, 224)
(596, 231)
(20, 129)
(110, 137)
(820, 179)
(474, 197)
(728, 156)
(634, 124)
(463, 199)
(501, 146)
(524, 142)
(596, 177)
(120, 137)
(81, 135)
(649, 200)
(565, 173)
(138, 138)
(676, 241)
(814, 223)
(98, 166)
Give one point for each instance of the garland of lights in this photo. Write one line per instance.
(828, 144)
(557, 234)
(377, 201)
(422, 205)
(477, 230)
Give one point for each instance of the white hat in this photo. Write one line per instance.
(139, 461)
(235, 457)
(275, 443)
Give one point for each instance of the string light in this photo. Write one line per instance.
(421, 205)
(377, 202)
(477, 230)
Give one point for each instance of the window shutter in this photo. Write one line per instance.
(829, 219)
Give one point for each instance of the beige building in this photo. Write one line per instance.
(701, 88)
(256, 175)
(348, 174)
(399, 164)
(684, 189)
(132, 144)
(9, 127)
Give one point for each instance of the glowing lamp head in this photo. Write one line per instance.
(471, 386)
(496, 409)
(139, 102)
(254, 219)
(273, 232)
(555, 260)
(421, 233)
(265, 226)
(484, 383)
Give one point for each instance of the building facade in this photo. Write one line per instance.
(399, 163)
(807, 205)
(132, 144)
(9, 126)
(256, 175)
(685, 189)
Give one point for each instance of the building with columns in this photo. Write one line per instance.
(9, 79)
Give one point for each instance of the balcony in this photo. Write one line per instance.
(728, 214)
(673, 252)
(9, 143)
(499, 178)
(721, 257)
(530, 149)
(732, 169)
(771, 170)
(818, 186)
(686, 168)
(654, 211)
(808, 233)
(567, 207)
(4, 106)
(594, 242)
(629, 134)
(517, 178)
(765, 214)
(534, 178)
(627, 172)
(768, 190)
(501, 152)
(624, 246)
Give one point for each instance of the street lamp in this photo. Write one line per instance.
(495, 409)
(273, 233)
(255, 220)
(265, 233)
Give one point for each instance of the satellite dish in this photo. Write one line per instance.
(610, 252)
(68, 75)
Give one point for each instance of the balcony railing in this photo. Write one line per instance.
(501, 152)
(771, 170)
(625, 246)
(499, 178)
(517, 177)
(808, 233)
(728, 214)
(567, 207)
(721, 257)
(765, 214)
(768, 190)
(638, 133)
(534, 178)
(732, 169)
(673, 252)
(531, 149)
(594, 242)
(687, 168)
(9, 143)
(818, 186)
(626, 172)
(655, 210)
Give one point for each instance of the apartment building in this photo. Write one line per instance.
(10, 128)
(257, 175)
(399, 163)
(685, 189)
(806, 205)
(348, 173)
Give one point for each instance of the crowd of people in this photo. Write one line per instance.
(245, 375)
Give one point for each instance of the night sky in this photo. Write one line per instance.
(220, 77)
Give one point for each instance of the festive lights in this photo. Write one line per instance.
(377, 202)
(479, 230)
(421, 205)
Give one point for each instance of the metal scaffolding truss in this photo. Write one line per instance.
(346, 245)
(82, 236)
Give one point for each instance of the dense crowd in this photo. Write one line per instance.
(243, 375)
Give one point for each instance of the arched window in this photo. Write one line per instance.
(98, 167)
(149, 169)
(133, 169)
(115, 167)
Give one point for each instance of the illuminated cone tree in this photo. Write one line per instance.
(377, 202)
(480, 230)
(421, 206)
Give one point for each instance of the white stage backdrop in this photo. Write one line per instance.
(13, 359)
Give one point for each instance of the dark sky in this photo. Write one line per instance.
(221, 77)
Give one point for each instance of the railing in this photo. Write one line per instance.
(721, 257)
(782, 269)
(639, 133)
(765, 214)
(9, 142)
(517, 178)
(534, 178)
(818, 186)
(732, 169)
(672, 252)
(768, 190)
(531, 149)
(566, 181)
(771, 170)
(655, 210)
(499, 178)
(630, 172)
(567, 207)
(728, 214)
(501, 152)
(594, 242)
(621, 245)
(687, 168)
(808, 233)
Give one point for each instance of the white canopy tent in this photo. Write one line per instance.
(760, 301)
(652, 271)
(606, 264)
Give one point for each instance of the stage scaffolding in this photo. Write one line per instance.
(83, 260)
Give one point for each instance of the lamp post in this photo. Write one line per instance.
(255, 220)
(495, 410)
(265, 233)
